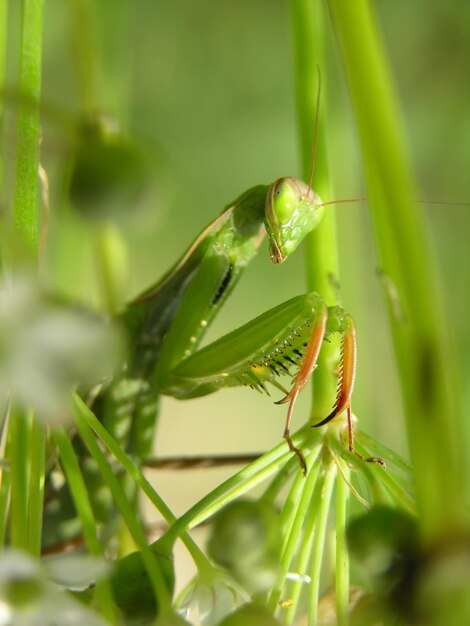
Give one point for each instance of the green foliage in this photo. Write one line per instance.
(210, 96)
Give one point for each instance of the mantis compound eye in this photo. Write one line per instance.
(284, 200)
(291, 212)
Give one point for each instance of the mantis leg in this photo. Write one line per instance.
(327, 322)
(339, 321)
(267, 347)
(306, 368)
(286, 337)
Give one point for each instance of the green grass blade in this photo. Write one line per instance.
(27, 151)
(5, 483)
(37, 465)
(69, 462)
(132, 520)
(133, 471)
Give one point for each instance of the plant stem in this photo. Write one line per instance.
(240, 483)
(37, 465)
(320, 245)
(26, 201)
(111, 263)
(302, 497)
(319, 542)
(3, 48)
(342, 556)
(418, 329)
(305, 554)
(18, 433)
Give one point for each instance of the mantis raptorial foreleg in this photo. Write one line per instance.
(283, 341)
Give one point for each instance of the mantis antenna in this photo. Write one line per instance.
(425, 202)
(353, 200)
(346, 201)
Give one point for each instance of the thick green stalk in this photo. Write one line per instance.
(321, 244)
(27, 150)
(420, 344)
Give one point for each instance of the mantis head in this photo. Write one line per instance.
(292, 210)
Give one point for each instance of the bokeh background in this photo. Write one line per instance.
(206, 90)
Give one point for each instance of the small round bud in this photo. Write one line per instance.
(246, 539)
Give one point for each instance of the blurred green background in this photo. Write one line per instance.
(206, 89)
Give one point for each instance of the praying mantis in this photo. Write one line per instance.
(168, 321)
